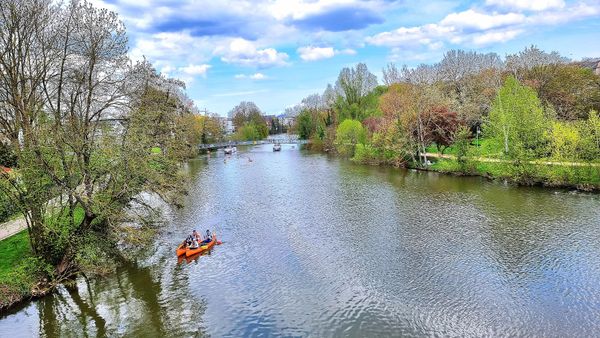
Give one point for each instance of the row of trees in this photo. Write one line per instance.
(249, 122)
(531, 105)
(88, 130)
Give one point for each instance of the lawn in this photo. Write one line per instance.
(482, 147)
(12, 250)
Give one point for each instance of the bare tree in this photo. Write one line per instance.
(532, 57)
(245, 111)
(391, 74)
(25, 57)
(354, 84)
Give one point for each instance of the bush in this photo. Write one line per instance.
(366, 153)
(251, 132)
(7, 208)
(348, 134)
(94, 255)
(7, 156)
(21, 280)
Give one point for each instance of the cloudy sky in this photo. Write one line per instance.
(275, 52)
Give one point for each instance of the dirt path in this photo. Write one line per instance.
(12, 227)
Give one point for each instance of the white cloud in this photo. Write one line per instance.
(411, 36)
(310, 53)
(243, 52)
(496, 36)
(573, 13)
(315, 53)
(168, 46)
(481, 21)
(476, 27)
(531, 5)
(194, 70)
(255, 76)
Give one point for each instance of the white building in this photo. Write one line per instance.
(227, 124)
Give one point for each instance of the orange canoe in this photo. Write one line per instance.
(190, 252)
(181, 250)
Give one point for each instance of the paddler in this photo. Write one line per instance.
(196, 236)
(207, 237)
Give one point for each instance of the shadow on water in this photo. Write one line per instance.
(135, 301)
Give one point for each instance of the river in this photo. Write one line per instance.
(318, 246)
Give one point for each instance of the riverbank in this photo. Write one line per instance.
(19, 271)
(571, 175)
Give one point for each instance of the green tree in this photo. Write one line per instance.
(462, 140)
(304, 125)
(517, 120)
(348, 134)
(590, 142)
(7, 155)
(565, 140)
(568, 88)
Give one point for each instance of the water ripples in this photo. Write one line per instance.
(315, 246)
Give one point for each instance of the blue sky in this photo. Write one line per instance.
(275, 52)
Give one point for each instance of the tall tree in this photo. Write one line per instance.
(354, 84)
(517, 120)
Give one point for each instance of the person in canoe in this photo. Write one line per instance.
(207, 238)
(196, 236)
(193, 243)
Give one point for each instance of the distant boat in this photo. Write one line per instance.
(277, 147)
(228, 150)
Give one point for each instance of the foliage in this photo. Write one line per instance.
(367, 154)
(7, 156)
(304, 125)
(7, 208)
(565, 140)
(251, 131)
(246, 112)
(517, 121)
(462, 141)
(205, 129)
(591, 137)
(19, 269)
(442, 125)
(277, 127)
(354, 84)
(348, 134)
(569, 89)
(86, 128)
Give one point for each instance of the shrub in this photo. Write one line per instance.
(366, 153)
(348, 134)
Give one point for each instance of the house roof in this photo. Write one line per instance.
(590, 63)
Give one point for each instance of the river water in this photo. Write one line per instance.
(317, 246)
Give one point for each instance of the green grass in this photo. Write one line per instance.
(552, 175)
(12, 250)
(483, 147)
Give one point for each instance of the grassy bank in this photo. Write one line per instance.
(580, 177)
(19, 270)
(21, 273)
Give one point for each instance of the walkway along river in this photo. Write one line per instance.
(318, 246)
